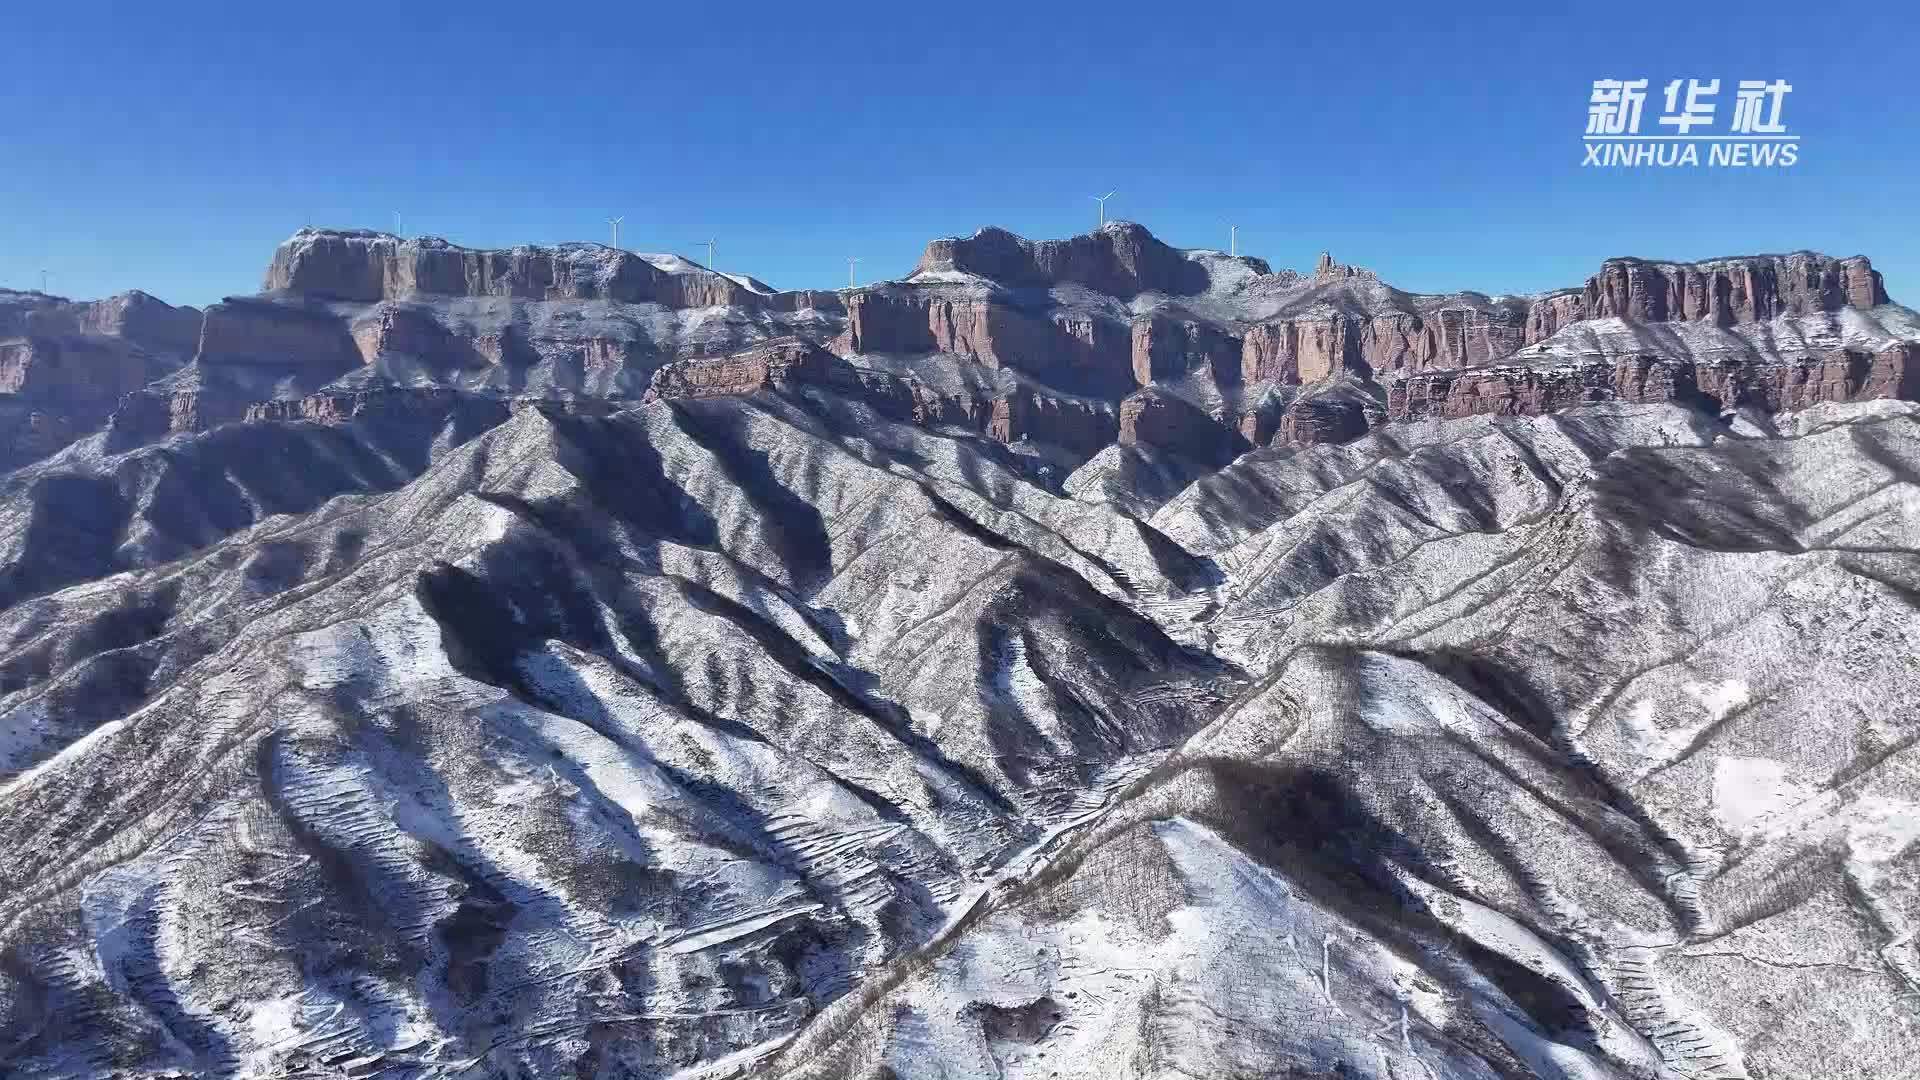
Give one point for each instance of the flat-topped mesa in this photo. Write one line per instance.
(1120, 259)
(1402, 334)
(1743, 289)
(367, 266)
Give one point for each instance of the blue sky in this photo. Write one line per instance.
(170, 148)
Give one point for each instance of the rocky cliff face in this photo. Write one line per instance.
(369, 266)
(1520, 391)
(1310, 348)
(1073, 351)
(1168, 348)
(1728, 291)
(1847, 375)
(1770, 387)
(64, 365)
(1154, 418)
(1234, 353)
(1352, 325)
(1200, 328)
(265, 334)
(152, 414)
(765, 367)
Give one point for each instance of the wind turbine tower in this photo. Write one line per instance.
(1102, 200)
(710, 244)
(851, 283)
(399, 228)
(615, 222)
(1233, 239)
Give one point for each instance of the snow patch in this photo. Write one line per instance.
(1882, 829)
(1746, 791)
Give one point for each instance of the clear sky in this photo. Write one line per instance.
(170, 146)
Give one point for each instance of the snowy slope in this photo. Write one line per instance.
(764, 736)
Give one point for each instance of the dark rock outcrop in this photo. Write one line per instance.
(1153, 417)
(1526, 391)
(73, 373)
(765, 367)
(1077, 424)
(151, 414)
(29, 432)
(1080, 425)
(430, 404)
(407, 330)
(1327, 418)
(307, 340)
(1845, 375)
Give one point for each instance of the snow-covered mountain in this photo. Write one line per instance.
(572, 662)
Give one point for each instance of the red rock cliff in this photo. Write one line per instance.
(368, 266)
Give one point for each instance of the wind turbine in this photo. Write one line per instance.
(1233, 241)
(399, 229)
(43, 280)
(1102, 200)
(851, 283)
(710, 244)
(615, 222)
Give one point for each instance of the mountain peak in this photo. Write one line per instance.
(1120, 258)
